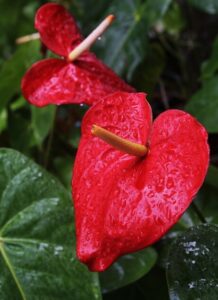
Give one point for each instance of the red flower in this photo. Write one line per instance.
(123, 202)
(62, 81)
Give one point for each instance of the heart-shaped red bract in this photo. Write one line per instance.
(58, 81)
(124, 203)
(58, 29)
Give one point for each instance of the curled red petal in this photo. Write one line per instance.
(123, 203)
(129, 116)
(55, 81)
(57, 28)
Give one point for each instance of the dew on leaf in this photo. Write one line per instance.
(43, 246)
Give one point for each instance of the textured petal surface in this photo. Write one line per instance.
(97, 80)
(48, 82)
(55, 81)
(124, 203)
(57, 28)
(128, 115)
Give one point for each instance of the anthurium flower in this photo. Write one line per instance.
(77, 76)
(127, 201)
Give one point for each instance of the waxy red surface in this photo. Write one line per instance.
(58, 81)
(125, 203)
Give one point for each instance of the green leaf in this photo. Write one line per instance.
(75, 135)
(9, 11)
(155, 10)
(148, 73)
(188, 219)
(42, 121)
(128, 269)
(209, 6)
(193, 265)
(3, 119)
(20, 132)
(81, 10)
(63, 169)
(37, 243)
(9, 16)
(152, 286)
(124, 46)
(19, 103)
(204, 105)
(174, 21)
(15, 20)
(210, 67)
(13, 70)
(207, 203)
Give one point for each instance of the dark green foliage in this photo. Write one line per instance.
(192, 266)
(128, 269)
(166, 48)
(37, 243)
(209, 6)
(204, 104)
(13, 69)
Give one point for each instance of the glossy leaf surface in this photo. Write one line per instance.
(128, 269)
(208, 204)
(37, 259)
(192, 265)
(124, 46)
(204, 104)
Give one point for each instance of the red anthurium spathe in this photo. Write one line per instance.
(126, 202)
(77, 77)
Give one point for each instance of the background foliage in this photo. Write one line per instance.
(166, 48)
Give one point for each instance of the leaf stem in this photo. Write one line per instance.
(49, 143)
(163, 93)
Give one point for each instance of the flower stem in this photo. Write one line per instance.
(50, 142)
(118, 142)
(198, 213)
(89, 41)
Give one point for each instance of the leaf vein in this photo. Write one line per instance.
(12, 271)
